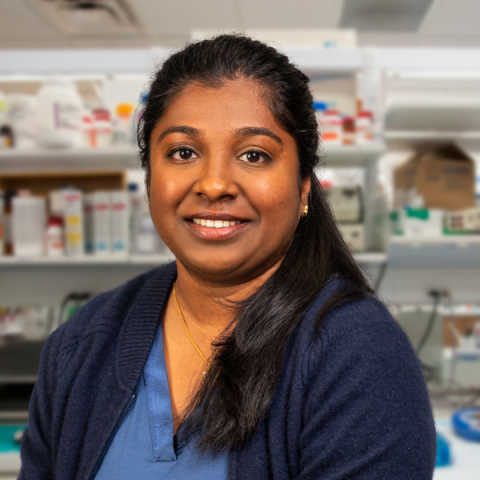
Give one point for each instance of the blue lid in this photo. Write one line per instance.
(132, 187)
(466, 423)
(143, 98)
(320, 106)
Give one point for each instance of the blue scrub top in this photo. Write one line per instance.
(144, 446)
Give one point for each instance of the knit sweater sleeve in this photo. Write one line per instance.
(39, 442)
(366, 414)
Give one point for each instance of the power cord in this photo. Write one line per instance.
(436, 295)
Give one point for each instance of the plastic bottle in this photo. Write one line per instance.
(134, 212)
(364, 127)
(22, 117)
(73, 222)
(101, 223)
(332, 131)
(54, 237)
(59, 114)
(28, 225)
(120, 223)
(123, 130)
(102, 125)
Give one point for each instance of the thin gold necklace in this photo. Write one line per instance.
(204, 373)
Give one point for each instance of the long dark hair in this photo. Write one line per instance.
(237, 392)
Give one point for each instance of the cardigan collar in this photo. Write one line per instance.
(140, 325)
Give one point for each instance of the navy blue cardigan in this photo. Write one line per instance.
(350, 403)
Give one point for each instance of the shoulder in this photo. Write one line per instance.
(107, 311)
(360, 330)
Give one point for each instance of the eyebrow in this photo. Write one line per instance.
(193, 132)
(253, 131)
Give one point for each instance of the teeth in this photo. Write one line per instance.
(215, 223)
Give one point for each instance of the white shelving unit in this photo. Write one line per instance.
(44, 160)
(448, 251)
(358, 156)
(86, 260)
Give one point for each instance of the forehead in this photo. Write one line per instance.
(237, 103)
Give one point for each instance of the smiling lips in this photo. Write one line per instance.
(215, 223)
(215, 227)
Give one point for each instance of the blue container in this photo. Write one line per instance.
(466, 423)
(443, 452)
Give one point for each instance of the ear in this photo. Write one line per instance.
(306, 185)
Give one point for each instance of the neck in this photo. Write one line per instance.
(205, 303)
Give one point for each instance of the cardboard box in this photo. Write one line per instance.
(354, 235)
(442, 177)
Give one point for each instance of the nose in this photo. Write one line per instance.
(216, 181)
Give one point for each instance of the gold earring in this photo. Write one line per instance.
(305, 211)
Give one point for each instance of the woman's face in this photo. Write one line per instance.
(224, 189)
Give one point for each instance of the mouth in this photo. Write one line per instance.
(215, 223)
(215, 226)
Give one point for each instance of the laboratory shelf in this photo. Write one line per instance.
(370, 258)
(350, 155)
(48, 160)
(131, 260)
(86, 261)
(460, 251)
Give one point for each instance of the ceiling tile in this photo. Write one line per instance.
(289, 13)
(179, 17)
(453, 17)
(18, 20)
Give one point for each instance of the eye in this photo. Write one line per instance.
(183, 153)
(254, 156)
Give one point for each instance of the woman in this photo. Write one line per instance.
(261, 353)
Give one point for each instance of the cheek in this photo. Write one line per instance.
(165, 195)
(279, 203)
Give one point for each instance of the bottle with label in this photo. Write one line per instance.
(73, 222)
(28, 225)
(101, 223)
(332, 130)
(123, 130)
(54, 237)
(102, 125)
(120, 223)
(59, 114)
(364, 127)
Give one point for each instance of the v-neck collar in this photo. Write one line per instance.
(159, 404)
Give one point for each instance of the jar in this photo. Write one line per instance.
(332, 127)
(348, 131)
(364, 126)
(59, 114)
